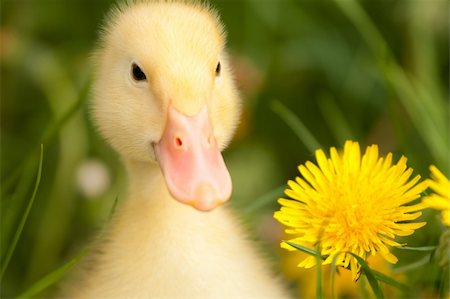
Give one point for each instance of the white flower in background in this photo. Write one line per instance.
(93, 178)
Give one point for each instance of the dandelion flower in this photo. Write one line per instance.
(350, 203)
(440, 199)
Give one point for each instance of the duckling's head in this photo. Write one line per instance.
(164, 93)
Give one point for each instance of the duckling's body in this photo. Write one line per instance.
(158, 248)
(158, 88)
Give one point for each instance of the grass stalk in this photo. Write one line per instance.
(55, 127)
(305, 249)
(13, 201)
(49, 134)
(427, 113)
(296, 125)
(336, 119)
(333, 277)
(51, 278)
(373, 282)
(19, 230)
(263, 200)
(421, 248)
(319, 285)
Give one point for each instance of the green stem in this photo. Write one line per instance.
(24, 217)
(296, 125)
(51, 278)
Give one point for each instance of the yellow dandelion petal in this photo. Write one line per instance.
(389, 241)
(324, 165)
(295, 189)
(446, 217)
(351, 202)
(389, 257)
(290, 203)
(440, 199)
(439, 188)
(412, 216)
(355, 268)
(307, 263)
(438, 176)
(406, 229)
(412, 208)
(436, 202)
(335, 160)
(319, 177)
(414, 192)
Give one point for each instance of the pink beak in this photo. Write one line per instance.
(191, 162)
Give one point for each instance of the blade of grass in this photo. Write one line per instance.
(304, 249)
(315, 253)
(51, 278)
(55, 127)
(353, 10)
(113, 208)
(444, 282)
(319, 290)
(296, 126)
(24, 217)
(335, 119)
(9, 181)
(19, 177)
(365, 292)
(16, 201)
(59, 273)
(427, 124)
(49, 133)
(264, 200)
(386, 279)
(423, 248)
(370, 276)
(419, 263)
(426, 111)
(333, 277)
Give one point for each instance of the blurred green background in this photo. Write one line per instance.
(371, 71)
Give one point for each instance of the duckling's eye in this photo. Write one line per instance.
(218, 67)
(137, 73)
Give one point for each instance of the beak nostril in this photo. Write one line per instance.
(210, 139)
(178, 142)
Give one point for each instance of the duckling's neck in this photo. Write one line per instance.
(145, 178)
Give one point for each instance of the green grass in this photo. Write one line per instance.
(50, 279)
(24, 218)
(372, 71)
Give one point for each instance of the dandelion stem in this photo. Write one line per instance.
(319, 291)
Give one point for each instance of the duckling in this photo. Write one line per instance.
(164, 98)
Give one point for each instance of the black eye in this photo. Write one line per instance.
(137, 73)
(218, 67)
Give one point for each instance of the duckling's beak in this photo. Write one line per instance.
(191, 162)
